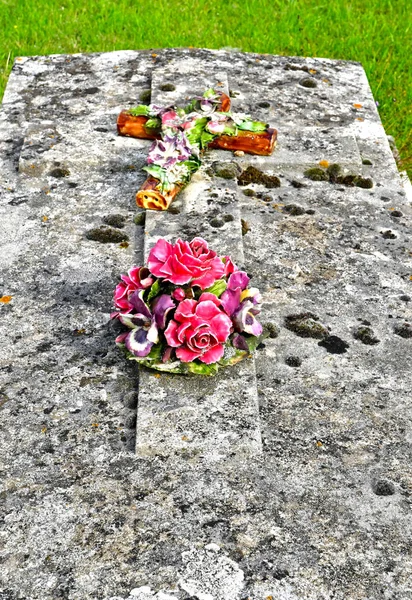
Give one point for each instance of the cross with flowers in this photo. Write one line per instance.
(182, 135)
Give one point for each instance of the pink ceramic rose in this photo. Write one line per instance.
(199, 330)
(138, 278)
(186, 262)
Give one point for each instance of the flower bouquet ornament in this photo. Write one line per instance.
(182, 135)
(188, 311)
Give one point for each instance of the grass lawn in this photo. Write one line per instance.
(378, 33)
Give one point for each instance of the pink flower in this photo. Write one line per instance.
(138, 278)
(169, 117)
(186, 262)
(199, 330)
(230, 266)
(215, 127)
(179, 294)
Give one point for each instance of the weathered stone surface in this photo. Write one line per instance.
(324, 511)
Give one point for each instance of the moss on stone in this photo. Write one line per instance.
(317, 174)
(366, 335)
(367, 161)
(226, 170)
(228, 218)
(349, 180)
(308, 82)
(140, 219)
(145, 96)
(168, 87)
(404, 330)
(216, 222)
(115, 220)
(272, 329)
(245, 226)
(293, 209)
(249, 192)
(306, 325)
(364, 182)
(59, 172)
(106, 235)
(333, 171)
(254, 175)
(293, 361)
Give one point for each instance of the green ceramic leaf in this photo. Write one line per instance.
(192, 164)
(194, 135)
(206, 138)
(255, 126)
(217, 288)
(154, 291)
(153, 170)
(153, 123)
(140, 110)
(199, 368)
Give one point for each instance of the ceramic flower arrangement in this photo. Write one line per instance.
(181, 135)
(188, 311)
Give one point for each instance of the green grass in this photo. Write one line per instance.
(377, 33)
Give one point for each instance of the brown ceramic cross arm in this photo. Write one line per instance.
(129, 125)
(261, 143)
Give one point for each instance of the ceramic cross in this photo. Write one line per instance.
(181, 137)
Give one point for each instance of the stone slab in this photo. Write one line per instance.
(324, 510)
(220, 417)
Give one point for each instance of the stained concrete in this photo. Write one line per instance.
(324, 510)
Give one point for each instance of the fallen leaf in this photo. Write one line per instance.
(357, 105)
(359, 119)
(5, 299)
(319, 444)
(324, 163)
(312, 71)
(44, 219)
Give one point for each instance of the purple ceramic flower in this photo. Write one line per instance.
(144, 324)
(172, 149)
(242, 304)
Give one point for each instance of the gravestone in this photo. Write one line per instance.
(285, 477)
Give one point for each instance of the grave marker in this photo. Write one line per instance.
(322, 510)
